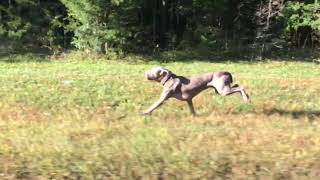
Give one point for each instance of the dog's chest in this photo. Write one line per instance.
(183, 92)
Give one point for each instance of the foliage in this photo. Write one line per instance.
(302, 23)
(20, 21)
(258, 27)
(88, 21)
(299, 14)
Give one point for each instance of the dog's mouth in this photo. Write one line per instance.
(146, 75)
(150, 78)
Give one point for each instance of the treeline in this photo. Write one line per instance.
(146, 26)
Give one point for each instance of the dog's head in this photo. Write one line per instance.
(157, 73)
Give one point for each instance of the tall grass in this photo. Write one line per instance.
(80, 120)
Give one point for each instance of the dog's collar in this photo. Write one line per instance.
(165, 79)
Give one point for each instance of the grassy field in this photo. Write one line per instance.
(80, 120)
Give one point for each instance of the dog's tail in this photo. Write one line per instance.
(229, 77)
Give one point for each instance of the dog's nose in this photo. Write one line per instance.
(146, 75)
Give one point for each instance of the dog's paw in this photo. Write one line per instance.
(247, 100)
(145, 113)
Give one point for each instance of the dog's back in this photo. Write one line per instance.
(191, 86)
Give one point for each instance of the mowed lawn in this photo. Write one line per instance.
(80, 120)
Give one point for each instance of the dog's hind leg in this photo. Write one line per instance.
(224, 89)
(227, 90)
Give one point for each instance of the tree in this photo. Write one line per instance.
(32, 22)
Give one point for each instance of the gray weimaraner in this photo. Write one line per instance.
(185, 88)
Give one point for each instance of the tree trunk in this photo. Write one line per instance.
(163, 19)
(154, 21)
(269, 14)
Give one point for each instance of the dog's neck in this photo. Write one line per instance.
(166, 78)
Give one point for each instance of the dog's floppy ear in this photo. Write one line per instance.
(163, 72)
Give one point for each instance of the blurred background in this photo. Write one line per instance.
(246, 29)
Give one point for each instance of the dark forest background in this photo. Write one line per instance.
(240, 28)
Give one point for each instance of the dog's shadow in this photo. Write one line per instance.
(295, 114)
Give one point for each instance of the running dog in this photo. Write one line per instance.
(186, 88)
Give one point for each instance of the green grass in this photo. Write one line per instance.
(70, 120)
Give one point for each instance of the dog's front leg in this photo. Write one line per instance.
(190, 104)
(164, 95)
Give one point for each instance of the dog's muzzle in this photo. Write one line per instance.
(148, 75)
